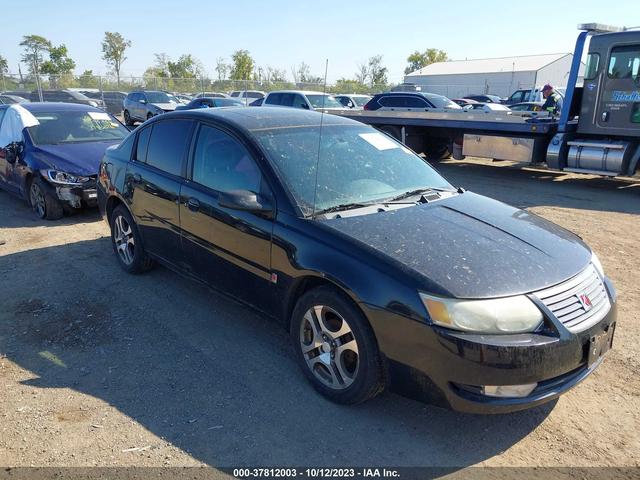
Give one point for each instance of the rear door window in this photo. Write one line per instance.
(395, 102)
(273, 99)
(415, 102)
(168, 144)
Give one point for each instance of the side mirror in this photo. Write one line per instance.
(143, 101)
(10, 152)
(245, 200)
(305, 106)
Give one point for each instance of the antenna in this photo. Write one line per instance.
(324, 95)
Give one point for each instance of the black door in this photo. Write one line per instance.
(229, 249)
(153, 185)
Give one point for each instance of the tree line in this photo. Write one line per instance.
(41, 56)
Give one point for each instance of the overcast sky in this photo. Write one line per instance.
(283, 33)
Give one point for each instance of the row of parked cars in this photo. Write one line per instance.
(382, 271)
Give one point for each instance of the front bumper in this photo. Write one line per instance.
(76, 197)
(447, 368)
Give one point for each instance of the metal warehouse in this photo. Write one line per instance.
(497, 76)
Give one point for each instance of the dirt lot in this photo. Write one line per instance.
(101, 368)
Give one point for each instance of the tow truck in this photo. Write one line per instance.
(596, 132)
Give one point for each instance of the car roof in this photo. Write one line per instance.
(58, 107)
(263, 118)
(303, 92)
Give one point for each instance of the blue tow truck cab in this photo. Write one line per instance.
(597, 131)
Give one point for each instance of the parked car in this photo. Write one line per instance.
(353, 101)
(142, 105)
(304, 99)
(211, 95)
(50, 152)
(484, 98)
(410, 101)
(182, 98)
(463, 102)
(526, 107)
(112, 99)
(67, 96)
(19, 93)
(205, 102)
(247, 96)
(531, 95)
(382, 271)
(7, 99)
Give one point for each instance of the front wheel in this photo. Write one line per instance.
(127, 119)
(127, 243)
(335, 347)
(42, 202)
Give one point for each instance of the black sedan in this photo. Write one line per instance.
(383, 273)
(210, 102)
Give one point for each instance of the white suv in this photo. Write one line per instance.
(302, 99)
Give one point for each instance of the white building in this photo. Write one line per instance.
(497, 76)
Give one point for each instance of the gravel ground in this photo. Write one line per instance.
(99, 368)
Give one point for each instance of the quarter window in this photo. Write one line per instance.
(167, 145)
(223, 164)
(593, 65)
(143, 143)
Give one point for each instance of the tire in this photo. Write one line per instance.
(437, 151)
(127, 119)
(127, 243)
(336, 348)
(42, 202)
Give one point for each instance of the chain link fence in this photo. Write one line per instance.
(32, 86)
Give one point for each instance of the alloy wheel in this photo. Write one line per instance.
(124, 240)
(37, 200)
(329, 347)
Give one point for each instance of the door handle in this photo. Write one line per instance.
(136, 177)
(193, 204)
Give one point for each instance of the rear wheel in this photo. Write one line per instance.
(335, 347)
(127, 119)
(43, 203)
(437, 151)
(127, 243)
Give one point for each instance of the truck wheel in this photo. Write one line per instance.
(437, 151)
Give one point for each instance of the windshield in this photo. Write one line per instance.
(441, 102)
(361, 101)
(329, 101)
(158, 97)
(357, 164)
(75, 127)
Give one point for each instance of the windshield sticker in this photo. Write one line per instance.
(99, 116)
(379, 141)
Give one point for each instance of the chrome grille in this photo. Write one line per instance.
(565, 301)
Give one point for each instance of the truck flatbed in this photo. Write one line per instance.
(481, 122)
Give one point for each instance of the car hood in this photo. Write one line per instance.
(76, 158)
(470, 246)
(166, 106)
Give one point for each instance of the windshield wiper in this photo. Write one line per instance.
(419, 191)
(342, 207)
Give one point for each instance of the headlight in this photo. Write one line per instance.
(596, 263)
(500, 315)
(63, 178)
